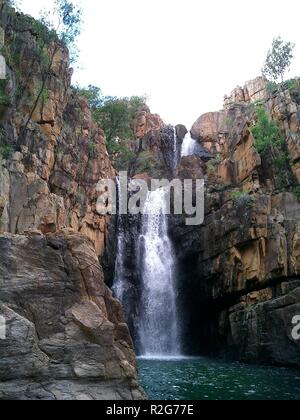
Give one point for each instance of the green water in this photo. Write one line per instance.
(206, 379)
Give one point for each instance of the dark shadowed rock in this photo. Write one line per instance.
(181, 131)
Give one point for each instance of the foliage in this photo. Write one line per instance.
(242, 198)
(63, 23)
(282, 160)
(123, 159)
(4, 98)
(92, 150)
(59, 27)
(218, 157)
(272, 88)
(269, 142)
(93, 94)
(146, 161)
(279, 59)
(115, 116)
(6, 150)
(296, 192)
(266, 132)
(213, 163)
(211, 166)
(292, 84)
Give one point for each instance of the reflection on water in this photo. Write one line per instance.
(205, 379)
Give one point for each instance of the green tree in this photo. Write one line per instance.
(115, 116)
(266, 132)
(269, 142)
(93, 94)
(279, 59)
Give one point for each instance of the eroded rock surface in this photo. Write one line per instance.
(66, 335)
(57, 153)
(240, 269)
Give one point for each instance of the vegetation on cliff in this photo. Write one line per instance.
(116, 117)
(245, 245)
(28, 88)
(279, 59)
(38, 43)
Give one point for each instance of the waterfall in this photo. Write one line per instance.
(188, 146)
(158, 324)
(119, 279)
(175, 151)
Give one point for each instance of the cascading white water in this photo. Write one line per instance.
(119, 279)
(175, 152)
(188, 146)
(158, 326)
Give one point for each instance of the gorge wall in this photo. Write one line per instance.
(239, 272)
(66, 337)
(240, 269)
(239, 279)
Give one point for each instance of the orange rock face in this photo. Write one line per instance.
(253, 91)
(242, 265)
(146, 123)
(50, 183)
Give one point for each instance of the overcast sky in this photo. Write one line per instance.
(184, 54)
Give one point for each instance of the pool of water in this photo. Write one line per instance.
(206, 379)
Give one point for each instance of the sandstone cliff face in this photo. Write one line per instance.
(49, 181)
(241, 268)
(146, 123)
(155, 146)
(66, 336)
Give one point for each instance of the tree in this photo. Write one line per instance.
(115, 116)
(59, 27)
(279, 59)
(93, 94)
(266, 132)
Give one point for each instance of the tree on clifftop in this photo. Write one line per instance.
(279, 59)
(115, 116)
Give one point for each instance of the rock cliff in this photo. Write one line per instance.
(239, 272)
(239, 278)
(66, 335)
(241, 267)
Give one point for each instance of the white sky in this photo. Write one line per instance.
(184, 54)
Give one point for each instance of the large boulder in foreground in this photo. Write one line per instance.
(66, 338)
